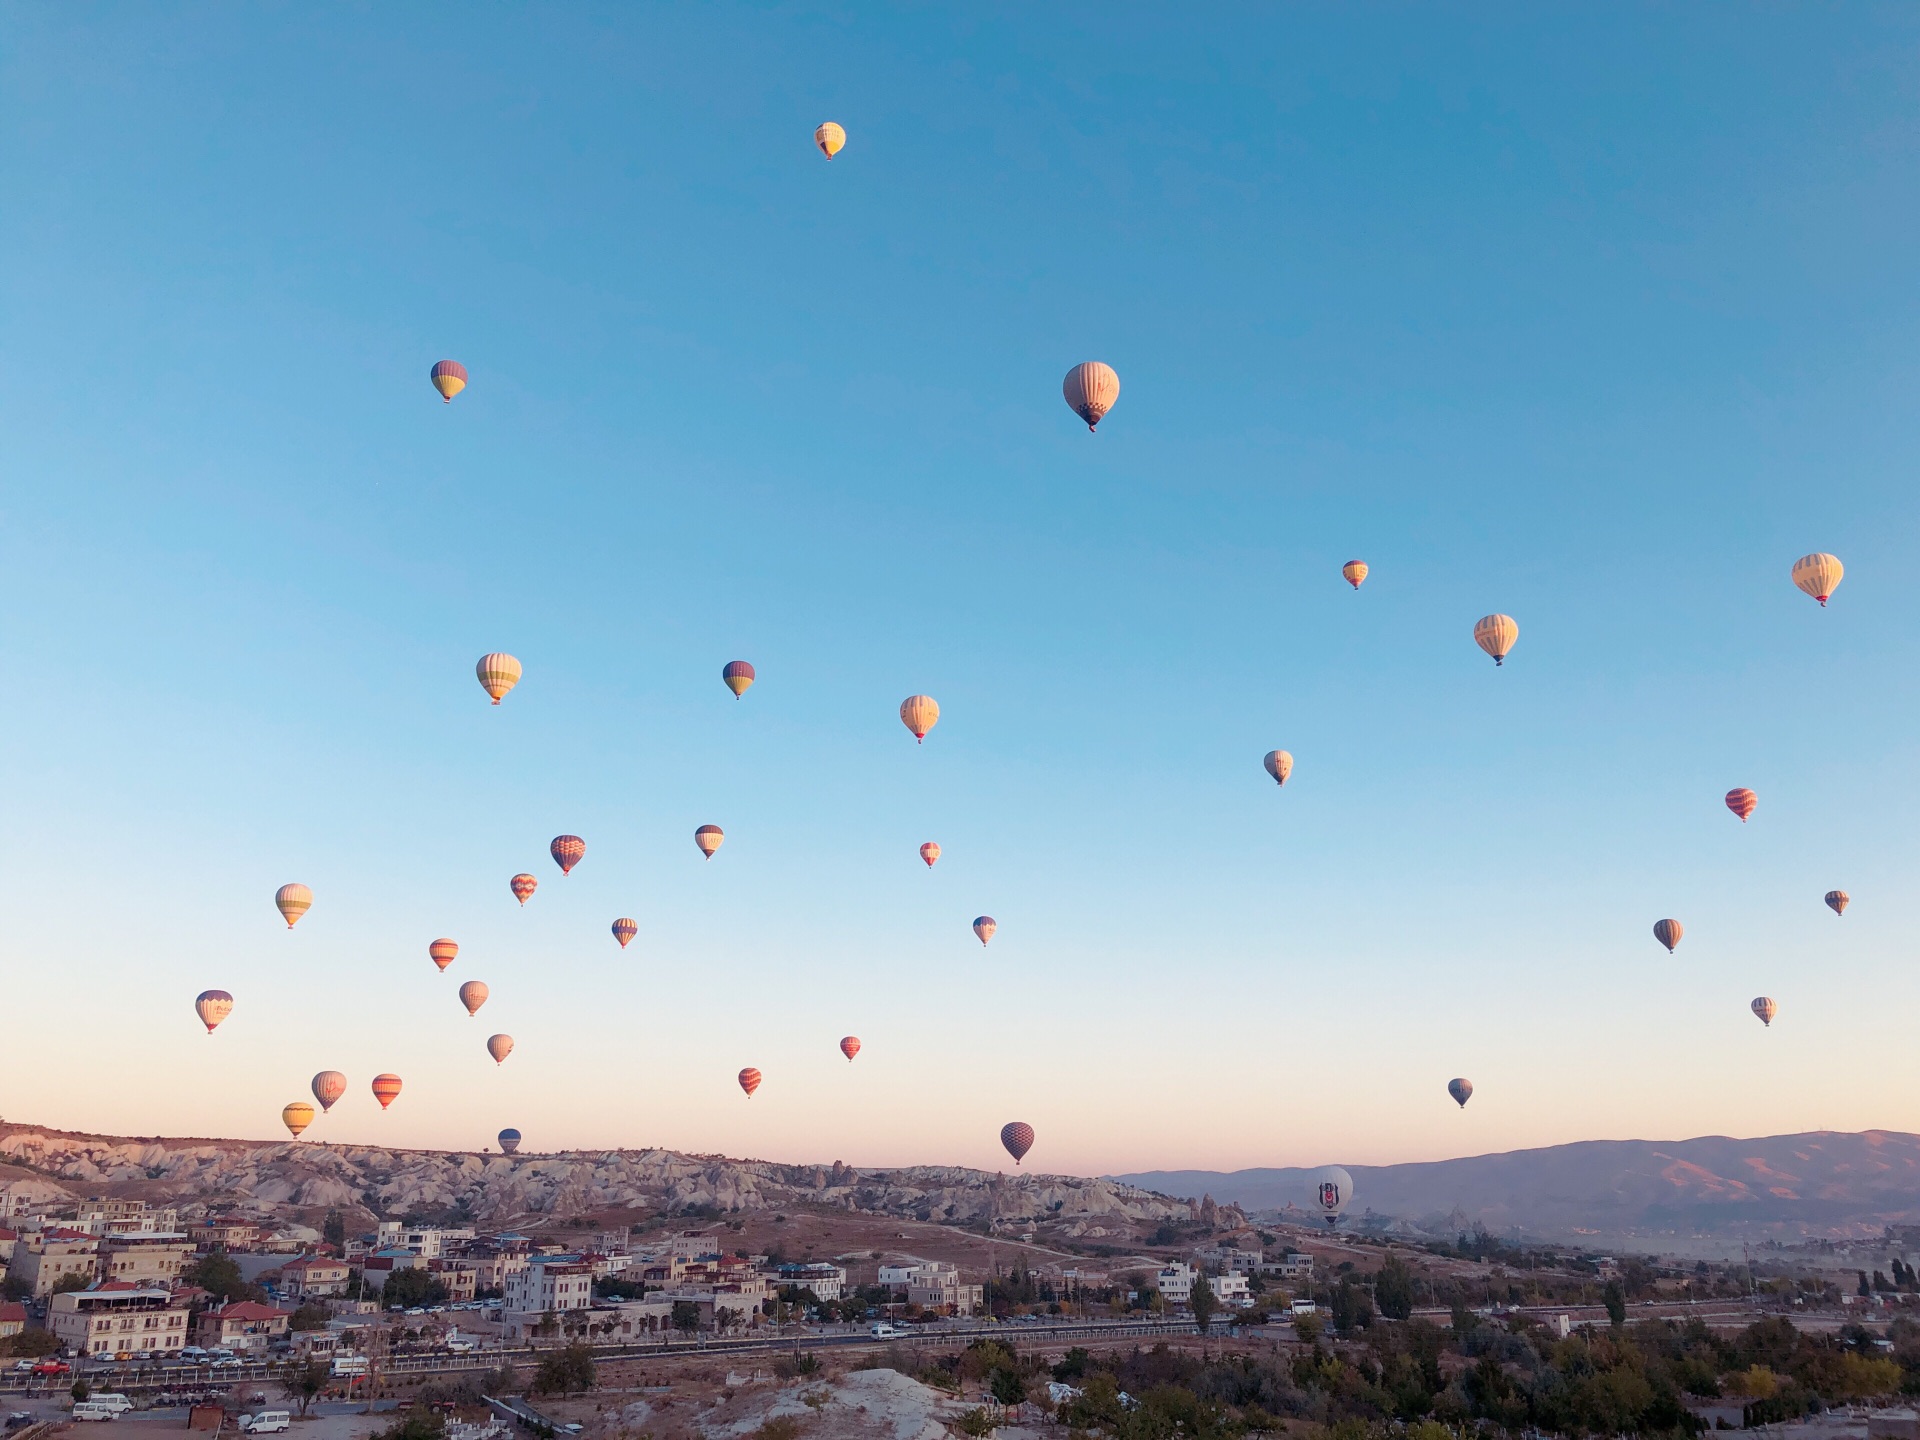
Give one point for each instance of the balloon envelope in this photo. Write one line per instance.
(449, 377)
(329, 1086)
(930, 852)
(1279, 765)
(1668, 933)
(1818, 575)
(523, 885)
(920, 713)
(1355, 571)
(1461, 1091)
(738, 675)
(1017, 1136)
(297, 1116)
(293, 902)
(1090, 390)
(624, 930)
(709, 838)
(442, 952)
(1766, 1009)
(498, 674)
(984, 926)
(473, 995)
(1332, 1191)
(850, 1045)
(749, 1081)
(509, 1140)
(386, 1089)
(830, 138)
(1495, 634)
(1838, 900)
(1741, 801)
(212, 1006)
(499, 1047)
(566, 851)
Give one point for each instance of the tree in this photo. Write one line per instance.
(565, 1371)
(309, 1317)
(81, 1390)
(686, 1316)
(305, 1381)
(1308, 1328)
(1393, 1289)
(75, 1281)
(1351, 1307)
(334, 1228)
(1202, 1302)
(1007, 1386)
(1616, 1303)
(219, 1275)
(413, 1286)
(32, 1341)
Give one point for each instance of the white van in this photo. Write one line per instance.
(267, 1422)
(884, 1331)
(91, 1410)
(119, 1402)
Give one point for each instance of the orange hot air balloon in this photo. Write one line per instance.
(830, 138)
(1668, 933)
(1837, 901)
(1766, 1009)
(749, 1081)
(386, 1089)
(499, 673)
(624, 930)
(737, 676)
(212, 1006)
(930, 852)
(296, 1117)
(1355, 571)
(984, 926)
(1818, 575)
(523, 885)
(1495, 634)
(499, 1046)
(850, 1046)
(442, 952)
(1279, 765)
(1090, 390)
(449, 378)
(709, 839)
(473, 995)
(1018, 1138)
(329, 1086)
(566, 851)
(920, 713)
(293, 902)
(1741, 802)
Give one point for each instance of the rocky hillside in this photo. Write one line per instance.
(502, 1189)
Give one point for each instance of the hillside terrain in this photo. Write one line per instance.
(1820, 1184)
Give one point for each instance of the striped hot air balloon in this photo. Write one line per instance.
(386, 1089)
(1741, 801)
(1090, 389)
(1017, 1136)
(498, 672)
(737, 675)
(709, 838)
(830, 138)
(1668, 933)
(1495, 634)
(920, 713)
(442, 952)
(473, 995)
(849, 1046)
(293, 902)
(1355, 571)
(212, 1006)
(1819, 575)
(930, 852)
(984, 926)
(449, 378)
(1279, 765)
(1461, 1091)
(499, 1047)
(624, 930)
(1766, 1009)
(509, 1141)
(296, 1117)
(749, 1081)
(1838, 900)
(566, 851)
(329, 1086)
(523, 885)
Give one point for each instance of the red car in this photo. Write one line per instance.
(53, 1367)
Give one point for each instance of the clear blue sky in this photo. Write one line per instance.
(1594, 315)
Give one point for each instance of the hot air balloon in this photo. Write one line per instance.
(1668, 933)
(1741, 801)
(296, 1117)
(749, 1081)
(566, 851)
(523, 885)
(509, 1141)
(920, 713)
(1495, 634)
(930, 852)
(386, 1089)
(709, 838)
(442, 951)
(473, 995)
(1461, 1090)
(1818, 575)
(499, 1046)
(1332, 1192)
(1766, 1010)
(830, 138)
(293, 901)
(212, 1006)
(1017, 1136)
(1091, 388)
(1355, 571)
(738, 675)
(498, 674)
(449, 378)
(984, 926)
(1279, 765)
(624, 930)
(1837, 901)
(329, 1086)
(849, 1046)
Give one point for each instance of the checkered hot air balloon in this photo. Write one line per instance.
(1017, 1136)
(930, 852)
(566, 851)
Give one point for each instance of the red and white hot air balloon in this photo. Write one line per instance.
(850, 1046)
(442, 953)
(709, 838)
(566, 851)
(930, 852)
(386, 1089)
(749, 1081)
(1741, 801)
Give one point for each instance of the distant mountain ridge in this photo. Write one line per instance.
(1818, 1184)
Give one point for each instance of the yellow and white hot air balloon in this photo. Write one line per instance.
(498, 674)
(919, 713)
(1495, 634)
(213, 1006)
(1090, 389)
(1819, 575)
(830, 138)
(293, 901)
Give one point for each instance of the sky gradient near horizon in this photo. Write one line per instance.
(1599, 316)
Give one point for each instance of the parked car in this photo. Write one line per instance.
(266, 1422)
(52, 1367)
(19, 1419)
(884, 1331)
